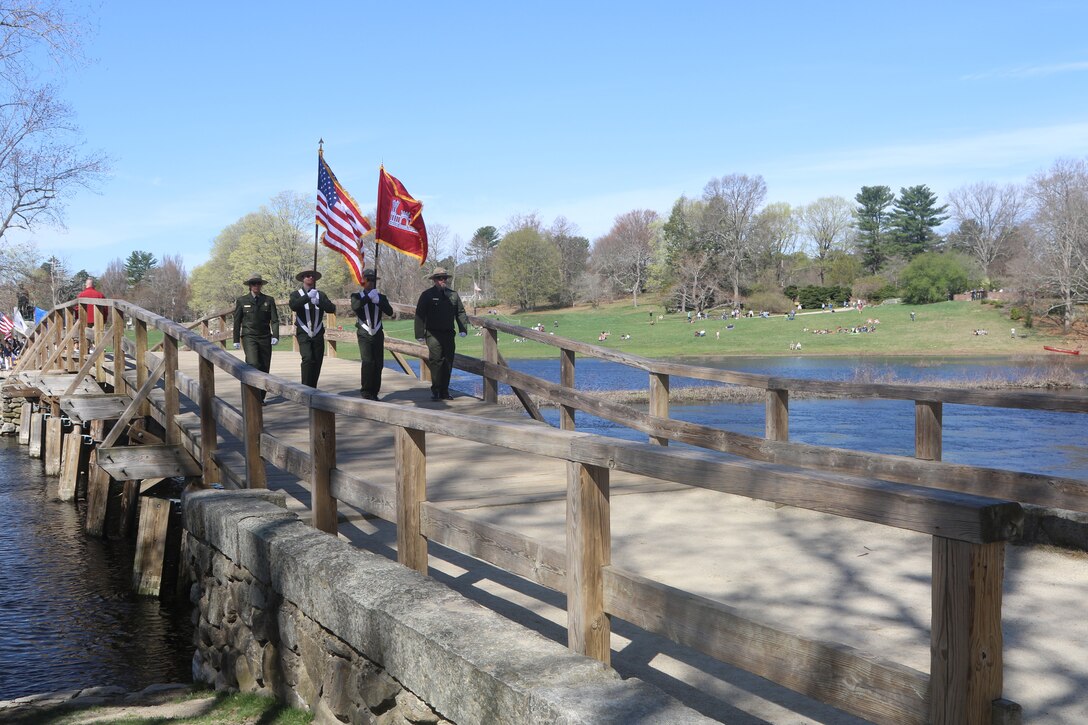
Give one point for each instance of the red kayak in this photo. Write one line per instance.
(1058, 349)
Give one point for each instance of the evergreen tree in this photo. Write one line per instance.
(914, 220)
(872, 218)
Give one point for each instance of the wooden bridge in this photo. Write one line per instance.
(462, 474)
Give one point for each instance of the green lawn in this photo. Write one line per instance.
(945, 328)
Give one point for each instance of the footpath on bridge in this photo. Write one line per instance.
(826, 577)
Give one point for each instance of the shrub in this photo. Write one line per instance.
(933, 277)
(769, 301)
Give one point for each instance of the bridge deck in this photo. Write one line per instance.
(829, 578)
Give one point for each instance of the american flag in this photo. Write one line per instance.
(6, 325)
(338, 213)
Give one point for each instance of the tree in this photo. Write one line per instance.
(933, 277)
(138, 268)
(777, 231)
(526, 267)
(730, 222)
(1060, 243)
(915, 218)
(41, 161)
(573, 253)
(480, 250)
(988, 216)
(167, 292)
(828, 222)
(871, 219)
(624, 255)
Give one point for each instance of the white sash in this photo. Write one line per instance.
(314, 322)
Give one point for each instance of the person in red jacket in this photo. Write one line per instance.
(90, 292)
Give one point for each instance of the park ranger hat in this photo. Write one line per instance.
(308, 273)
(370, 274)
(255, 279)
(439, 272)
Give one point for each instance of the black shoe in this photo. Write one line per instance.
(447, 396)
(369, 396)
(436, 396)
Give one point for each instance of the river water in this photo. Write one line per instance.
(67, 618)
(1053, 444)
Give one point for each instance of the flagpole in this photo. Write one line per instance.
(320, 153)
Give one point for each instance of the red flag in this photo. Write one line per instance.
(400, 218)
(6, 325)
(344, 224)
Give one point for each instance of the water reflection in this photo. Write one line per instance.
(67, 619)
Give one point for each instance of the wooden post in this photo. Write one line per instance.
(927, 429)
(25, 413)
(99, 341)
(82, 317)
(331, 343)
(37, 430)
(151, 535)
(566, 379)
(491, 355)
(70, 319)
(323, 460)
(54, 437)
(118, 352)
(411, 472)
(141, 363)
(777, 423)
(209, 441)
(966, 644)
(253, 420)
(659, 402)
(69, 473)
(98, 493)
(223, 329)
(171, 405)
(589, 550)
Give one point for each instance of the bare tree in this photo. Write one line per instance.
(777, 230)
(169, 288)
(732, 203)
(828, 222)
(624, 255)
(988, 217)
(41, 160)
(1061, 232)
(573, 253)
(696, 277)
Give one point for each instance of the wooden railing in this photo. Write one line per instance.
(968, 532)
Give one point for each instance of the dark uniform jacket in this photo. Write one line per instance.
(256, 317)
(437, 310)
(310, 318)
(370, 313)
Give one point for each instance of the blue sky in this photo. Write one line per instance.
(586, 110)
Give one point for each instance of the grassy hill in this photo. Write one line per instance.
(940, 329)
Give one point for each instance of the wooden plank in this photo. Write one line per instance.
(523, 397)
(323, 457)
(150, 545)
(566, 379)
(118, 352)
(411, 473)
(69, 473)
(54, 439)
(491, 355)
(97, 406)
(140, 327)
(966, 664)
(128, 463)
(402, 361)
(134, 407)
(930, 511)
(364, 495)
(861, 684)
(130, 494)
(171, 403)
(589, 550)
(85, 368)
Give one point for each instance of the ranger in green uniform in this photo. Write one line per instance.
(257, 325)
(438, 308)
(369, 305)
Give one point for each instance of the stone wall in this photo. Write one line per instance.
(10, 412)
(289, 611)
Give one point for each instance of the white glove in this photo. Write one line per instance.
(313, 295)
(236, 346)
(275, 341)
(461, 334)
(421, 339)
(373, 296)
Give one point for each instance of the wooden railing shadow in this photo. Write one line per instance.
(968, 531)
